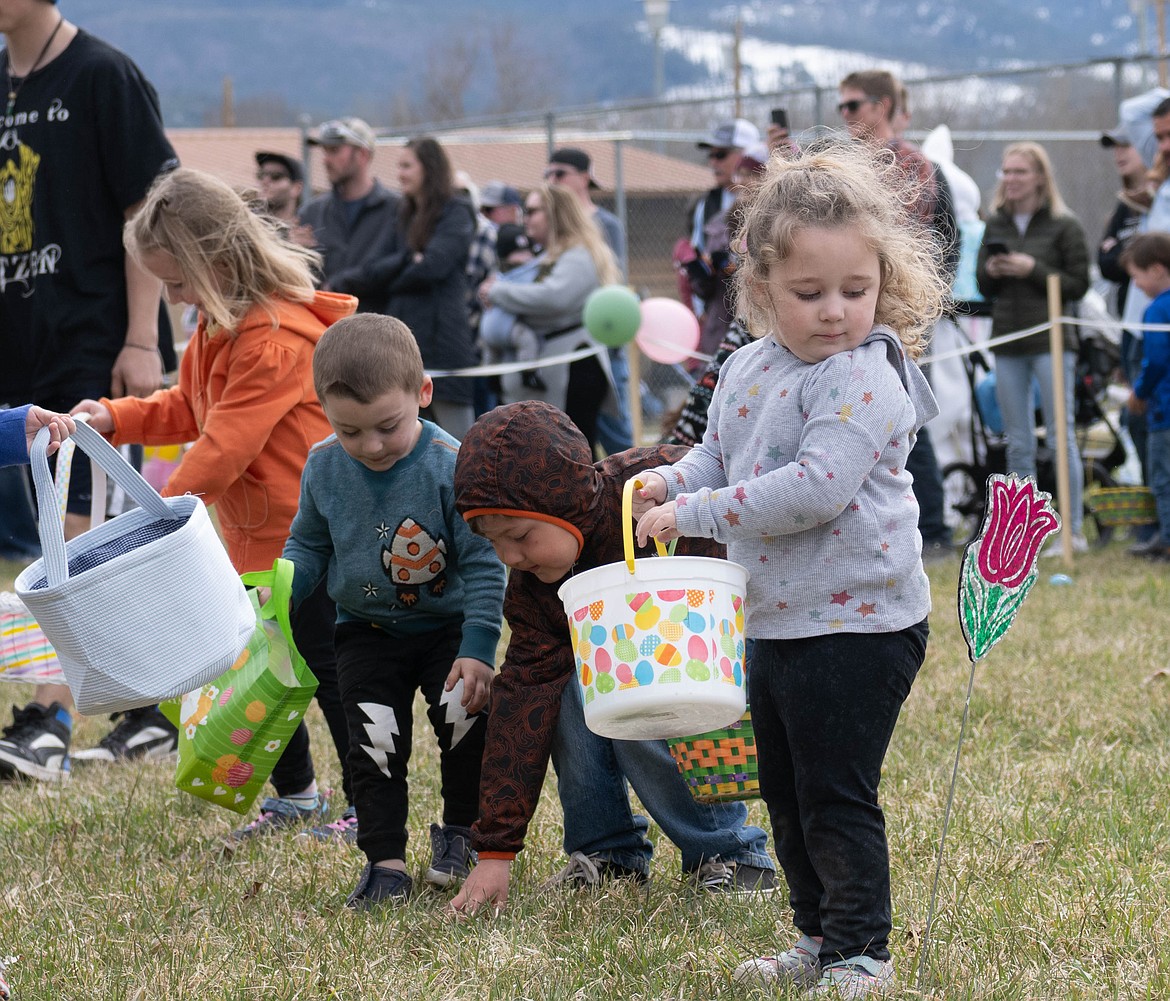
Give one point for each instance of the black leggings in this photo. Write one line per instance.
(313, 624)
(583, 398)
(824, 710)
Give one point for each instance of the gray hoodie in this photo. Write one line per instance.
(802, 474)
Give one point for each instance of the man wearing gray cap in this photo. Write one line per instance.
(350, 223)
(501, 203)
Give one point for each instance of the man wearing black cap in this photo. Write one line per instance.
(350, 223)
(281, 180)
(572, 168)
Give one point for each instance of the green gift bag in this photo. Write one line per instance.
(233, 730)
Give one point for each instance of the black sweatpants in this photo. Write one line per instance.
(378, 675)
(824, 710)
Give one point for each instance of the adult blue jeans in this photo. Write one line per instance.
(1158, 451)
(592, 772)
(823, 710)
(1013, 392)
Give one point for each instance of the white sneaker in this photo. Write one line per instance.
(1056, 548)
(800, 966)
(858, 977)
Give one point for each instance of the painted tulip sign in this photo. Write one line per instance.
(999, 567)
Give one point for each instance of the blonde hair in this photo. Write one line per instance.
(365, 356)
(1049, 192)
(569, 226)
(232, 258)
(847, 185)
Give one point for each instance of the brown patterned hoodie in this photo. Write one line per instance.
(528, 460)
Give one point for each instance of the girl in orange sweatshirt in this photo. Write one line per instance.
(245, 401)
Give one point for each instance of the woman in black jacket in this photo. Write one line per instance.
(422, 272)
(1031, 235)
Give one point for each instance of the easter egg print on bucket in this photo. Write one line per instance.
(656, 658)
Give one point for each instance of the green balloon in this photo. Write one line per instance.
(612, 315)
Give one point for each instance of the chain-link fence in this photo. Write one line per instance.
(1065, 108)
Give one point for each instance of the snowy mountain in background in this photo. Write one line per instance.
(406, 60)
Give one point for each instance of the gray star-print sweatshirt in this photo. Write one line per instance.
(802, 474)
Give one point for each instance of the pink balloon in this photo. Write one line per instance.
(669, 331)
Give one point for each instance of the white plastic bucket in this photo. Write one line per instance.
(659, 643)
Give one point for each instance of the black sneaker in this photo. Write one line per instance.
(139, 733)
(379, 885)
(450, 855)
(36, 744)
(588, 872)
(717, 876)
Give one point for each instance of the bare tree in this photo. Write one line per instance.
(523, 75)
(450, 67)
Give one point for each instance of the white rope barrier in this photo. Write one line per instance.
(507, 368)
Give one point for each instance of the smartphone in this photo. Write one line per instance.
(997, 248)
(780, 117)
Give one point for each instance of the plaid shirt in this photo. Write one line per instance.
(481, 262)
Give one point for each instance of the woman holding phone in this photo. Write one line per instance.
(1031, 234)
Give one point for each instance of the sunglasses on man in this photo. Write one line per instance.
(854, 106)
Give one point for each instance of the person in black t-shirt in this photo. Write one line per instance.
(81, 140)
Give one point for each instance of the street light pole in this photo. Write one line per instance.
(657, 13)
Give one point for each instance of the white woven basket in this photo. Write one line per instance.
(142, 608)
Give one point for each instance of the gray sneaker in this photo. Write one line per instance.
(588, 872)
(344, 828)
(280, 813)
(857, 977)
(799, 966)
(450, 855)
(717, 876)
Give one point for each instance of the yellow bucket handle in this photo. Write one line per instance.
(628, 525)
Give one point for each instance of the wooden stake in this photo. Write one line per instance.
(1060, 446)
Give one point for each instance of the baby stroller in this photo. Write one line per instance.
(1098, 441)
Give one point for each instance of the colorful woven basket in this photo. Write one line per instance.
(1122, 505)
(720, 766)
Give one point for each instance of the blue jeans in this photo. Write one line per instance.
(824, 709)
(1158, 451)
(616, 434)
(1013, 392)
(592, 772)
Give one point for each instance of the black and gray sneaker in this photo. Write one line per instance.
(588, 872)
(717, 876)
(139, 733)
(450, 855)
(379, 885)
(36, 743)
